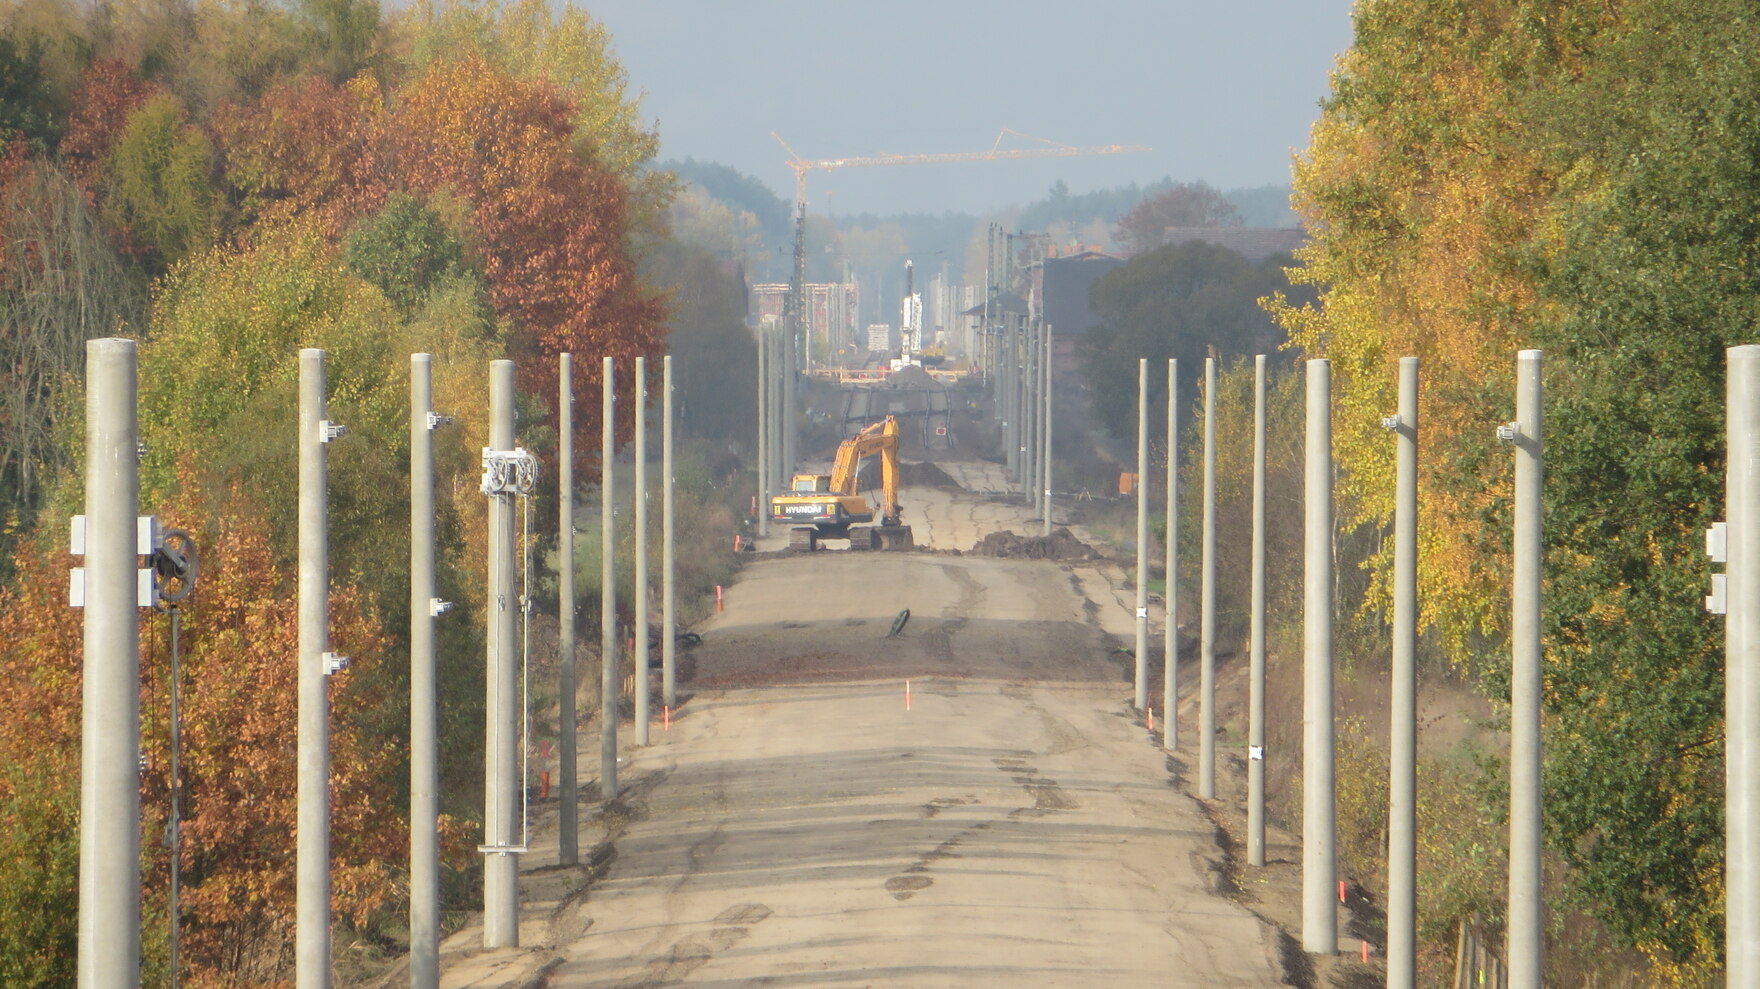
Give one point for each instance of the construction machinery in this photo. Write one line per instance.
(830, 506)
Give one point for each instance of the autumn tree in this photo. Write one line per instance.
(552, 229)
(307, 146)
(1182, 204)
(565, 49)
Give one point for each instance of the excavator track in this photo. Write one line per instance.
(803, 540)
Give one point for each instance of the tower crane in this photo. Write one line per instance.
(796, 302)
(997, 152)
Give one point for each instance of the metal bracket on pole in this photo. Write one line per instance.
(1509, 432)
(509, 472)
(1390, 422)
(436, 420)
(501, 849)
(148, 540)
(330, 432)
(437, 607)
(1717, 548)
(334, 664)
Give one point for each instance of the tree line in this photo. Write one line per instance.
(1581, 179)
(230, 183)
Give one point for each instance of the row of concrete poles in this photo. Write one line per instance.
(1021, 389)
(1319, 824)
(110, 587)
(113, 586)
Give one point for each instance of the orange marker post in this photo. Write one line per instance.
(1341, 891)
(665, 717)
(907, 695)
(1151, 717)
(717, 597)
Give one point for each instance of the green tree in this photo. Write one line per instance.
(1179, 301)
(26, 110)
(715, 358)
(158, 181)
(1654, 274)
(405, 249)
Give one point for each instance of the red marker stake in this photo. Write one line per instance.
(1151, 717)
(1341, 891)
(1365, 952)
(907, 695)
(717, 597)
(665, 717)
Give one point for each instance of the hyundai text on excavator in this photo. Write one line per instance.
(830, 506)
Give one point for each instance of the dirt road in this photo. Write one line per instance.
(800, 826)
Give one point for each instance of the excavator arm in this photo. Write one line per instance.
(880, 438)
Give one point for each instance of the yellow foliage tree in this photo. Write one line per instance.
(1420, 199)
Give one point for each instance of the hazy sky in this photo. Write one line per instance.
(1222, 90)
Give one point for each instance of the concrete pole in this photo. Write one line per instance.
(790, 364)
(110, 729)
(668, 568)
(424, 697)
(764, 453)
(1025, 407)
(1030, 418)
(1402, 818)
(1741, 669)
(502, 713)
(1140, 697)
(1170, 621)
(1525, 685)
(312, 828)
(1207, 599)
(607, 588)
(1010, 416)
(1045, 470)
(639, 592)
(1256, 650)
(568, 724)
(777, 469)
(1319, 810)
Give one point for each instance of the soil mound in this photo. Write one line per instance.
(927, 475)
(1060, 545)
(911, 377)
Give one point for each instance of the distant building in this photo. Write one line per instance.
(1252, 243)
(1066, 281)
(831, 312)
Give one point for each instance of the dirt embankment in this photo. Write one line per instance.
(1060, 545)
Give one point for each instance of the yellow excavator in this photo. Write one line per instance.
(830, 505)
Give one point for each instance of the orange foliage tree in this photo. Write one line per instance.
(549, 227)
(240, 738)
(552, 227)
